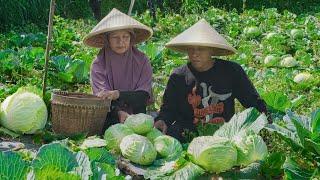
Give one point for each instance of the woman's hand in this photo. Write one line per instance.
(122, 115)
(112, 95)
(161, 125)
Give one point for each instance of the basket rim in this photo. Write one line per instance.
(93, 97)
(93, 107)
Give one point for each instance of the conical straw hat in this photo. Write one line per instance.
(116, 20)
(201, 34)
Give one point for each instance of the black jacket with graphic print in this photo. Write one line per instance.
(192, 97)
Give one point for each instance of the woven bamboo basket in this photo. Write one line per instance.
(74, 113)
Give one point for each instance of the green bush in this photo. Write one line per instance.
(19, 13)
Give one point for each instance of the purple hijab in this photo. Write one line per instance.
(130, 71)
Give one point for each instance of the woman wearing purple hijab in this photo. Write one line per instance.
(120, 71)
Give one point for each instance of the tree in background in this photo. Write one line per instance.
(96, 8)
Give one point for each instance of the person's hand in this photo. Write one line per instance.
(112, 95)
(122, 115)
(161, 125)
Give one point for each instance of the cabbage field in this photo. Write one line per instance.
(280, 51)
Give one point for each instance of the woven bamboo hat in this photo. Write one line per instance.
(201, 34)
(116, 20)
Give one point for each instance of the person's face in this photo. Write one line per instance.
(119, 41)
(200, 57)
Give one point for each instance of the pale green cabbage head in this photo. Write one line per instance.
(138, 149)
(140, 123)
(214, 154)
(302, 77)
(23, 112)
(296, 33)
(271, 60)
(252, 31)
(251, 148)
(167, 146)
(114, 134)
(289, 61)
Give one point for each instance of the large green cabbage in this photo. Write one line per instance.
(251, 148)
(213, 153)
(167, 146)
(140, 123)
(23, 112)
(114, 134)
(138, 149)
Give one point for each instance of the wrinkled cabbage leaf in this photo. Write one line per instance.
(58, 158)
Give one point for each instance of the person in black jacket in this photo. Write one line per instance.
(203, 91)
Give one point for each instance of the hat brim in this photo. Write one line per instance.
(217, 49)
(97, 39)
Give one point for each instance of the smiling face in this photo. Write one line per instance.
(119, 41)
(200, 57)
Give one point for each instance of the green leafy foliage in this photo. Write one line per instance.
(59, 159)
(299, 136)
(181, 168)
(12, 166)
(272, 165)
(19, 13)
(249, 120)
(292, 170)
(277, 101)
(103, 164)
(315, 121)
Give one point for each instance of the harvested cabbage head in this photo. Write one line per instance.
(23, 112)
(138, 149)
(140, 123)
(167, 146)
(114, 134)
